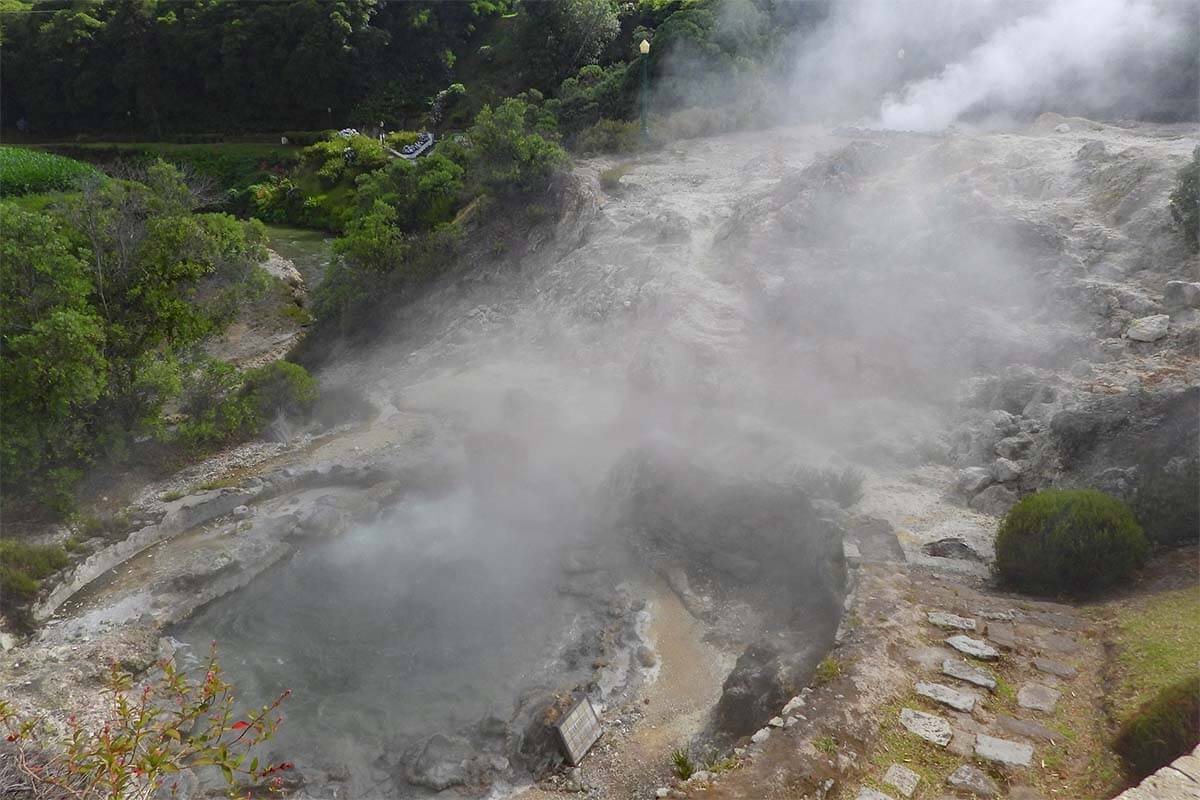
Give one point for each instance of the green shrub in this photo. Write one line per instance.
(1162, 730)
(22, 566)
(306, 138)
(398, 139)
(280, 387)
(512, 147)
(610, 179)
(26, 171)
(1168, 501)
(1185, 202)
(609, 136)
(339, 157)
(1069, 540)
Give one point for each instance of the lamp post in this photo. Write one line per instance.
(644, 48)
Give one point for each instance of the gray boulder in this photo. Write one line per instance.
(443, 763)
(1148, 329)
(995, 500)
(972, 480)
(1181, 294)
(1013, 446)
(1005, 470)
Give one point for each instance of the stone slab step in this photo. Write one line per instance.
(902, 779)
(957, 668)
(1027, 728)
(1049, 665)
(1038, 697)
(944, 619)
(974, 648)
(972, 779)
(948, 696)
(1002, 751)
(866, 793)
(930, 727)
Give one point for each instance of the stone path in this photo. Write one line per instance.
(970, 726)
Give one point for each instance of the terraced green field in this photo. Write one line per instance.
(25, 171)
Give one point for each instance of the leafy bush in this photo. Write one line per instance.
(216, 411)
(22, 566)
(423, 194)
(609, 136)
(1069, 540)
(1185, 202)
(1168, 502)
(338, 157)
(610, 179)
(149, 735)
(280, 387)
(306, 138)
(513, 149)
(1162, 730)
(26, 171)
(593, 94)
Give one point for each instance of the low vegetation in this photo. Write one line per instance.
(1074, 541)
(682, 765)
(1185, 202)
(149, 735)
(843, 486)
(828, 670)
(1157, 645)
(25, 171)
(1162, 730)
(22, 567)
(1167, 504)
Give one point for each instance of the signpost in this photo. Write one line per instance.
(579, 730)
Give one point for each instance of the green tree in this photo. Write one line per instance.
(564, 35)
(513, 149)
(52, 365)
(422, 194)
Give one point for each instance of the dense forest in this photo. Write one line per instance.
(170, 66)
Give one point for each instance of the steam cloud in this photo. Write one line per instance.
(926, 64)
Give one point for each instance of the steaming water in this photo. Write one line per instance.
(393, 632)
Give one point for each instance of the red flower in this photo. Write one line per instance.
(239, 725)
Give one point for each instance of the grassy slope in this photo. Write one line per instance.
(1158, 644)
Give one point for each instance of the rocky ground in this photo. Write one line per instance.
(967, 317)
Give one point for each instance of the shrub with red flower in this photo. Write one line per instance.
(152, 733)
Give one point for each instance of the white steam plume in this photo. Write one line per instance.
(1069, 45)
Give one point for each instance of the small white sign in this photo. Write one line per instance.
(579, 730)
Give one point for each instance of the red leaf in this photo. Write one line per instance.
(237, 726)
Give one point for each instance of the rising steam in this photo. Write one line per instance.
(926, 64)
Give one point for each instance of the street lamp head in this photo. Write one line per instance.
(644, 47)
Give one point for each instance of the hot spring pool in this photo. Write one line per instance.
(426, 622)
